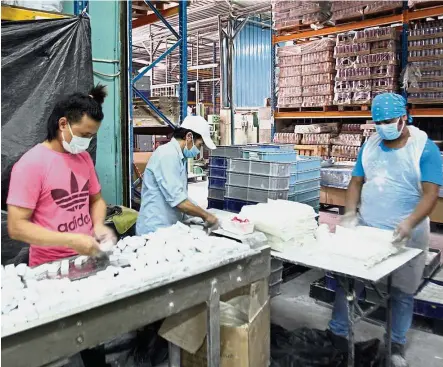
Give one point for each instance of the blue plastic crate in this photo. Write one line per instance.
(304, 176)
(428, 309)
(270, 154)
(217, 172)
(234, 205)
(219, 162)
(304, 196)
(217, 182)
(215, 204)
(217, 194)
(305, 163)
(304, 185)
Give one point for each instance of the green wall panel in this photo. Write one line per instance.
(105, 25)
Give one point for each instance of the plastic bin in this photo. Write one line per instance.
(234, 205)
(217, 182)
(259, 167)
(305, 163)
(303, 186)
(307, 195)
(257, 182)
(216, 194)
(215, 204)
(270, 155)
(217, 172)
(276, 271)
(254, 195)
(227, 151)
(219, 162)
(304, 176)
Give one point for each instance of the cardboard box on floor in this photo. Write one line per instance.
(244, 330)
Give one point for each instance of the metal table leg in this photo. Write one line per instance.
(389, 322)
(174, 355)
(352, 299)
(213, 325)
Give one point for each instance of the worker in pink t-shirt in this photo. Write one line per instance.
(54, 200)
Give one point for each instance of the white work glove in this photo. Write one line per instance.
(402, 234)
(349, 220)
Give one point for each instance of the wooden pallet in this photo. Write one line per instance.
(312, 150)
(309, 109)
(362, 107)
(426, 5)
(434, 104)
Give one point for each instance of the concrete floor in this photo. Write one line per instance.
(294, 308)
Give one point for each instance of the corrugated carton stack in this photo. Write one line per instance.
(306, 74)
(344, 10)
(426, 54)
(289, 77)
(346, 145)
(289, 15)
(366, 63)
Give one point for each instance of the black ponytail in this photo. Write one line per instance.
(75, 106)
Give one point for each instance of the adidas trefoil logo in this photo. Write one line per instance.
(73, 201)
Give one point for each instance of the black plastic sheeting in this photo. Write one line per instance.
(43, 61)
(314, 348)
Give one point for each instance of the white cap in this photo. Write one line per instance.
(200, 126)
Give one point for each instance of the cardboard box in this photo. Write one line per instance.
(141, 160)
(244, 330)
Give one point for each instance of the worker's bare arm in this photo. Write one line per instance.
(426, 204)
(22, 229)
(353, 194)
(193, 210)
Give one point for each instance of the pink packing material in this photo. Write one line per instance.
(289, 101)
(318, 90)
(292, 81)
(318, 79)
(290, 92)
(290, 71)
(320, 68)
(317, 101)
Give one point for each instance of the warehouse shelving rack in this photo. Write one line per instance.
(181, 44)
(404, 18)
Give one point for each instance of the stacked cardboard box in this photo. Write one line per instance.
(306, 74)
(366, 63)
(347, 10)
(288, 15)
(426, 54)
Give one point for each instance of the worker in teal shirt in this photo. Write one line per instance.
(395, 186)
(164, 199)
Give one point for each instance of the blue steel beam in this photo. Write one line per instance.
(161, 57)
(165, 22)
(151, 106)
(130, 104)
(183, 86)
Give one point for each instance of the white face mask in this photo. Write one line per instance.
(77, 144)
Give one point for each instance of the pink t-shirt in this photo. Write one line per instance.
(57, 187)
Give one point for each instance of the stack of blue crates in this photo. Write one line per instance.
(245, 175)
(251, 182)
(218, 162)
(304, 184)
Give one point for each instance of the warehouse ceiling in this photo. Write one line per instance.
(202, 25)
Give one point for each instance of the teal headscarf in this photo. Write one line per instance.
(389, 106)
